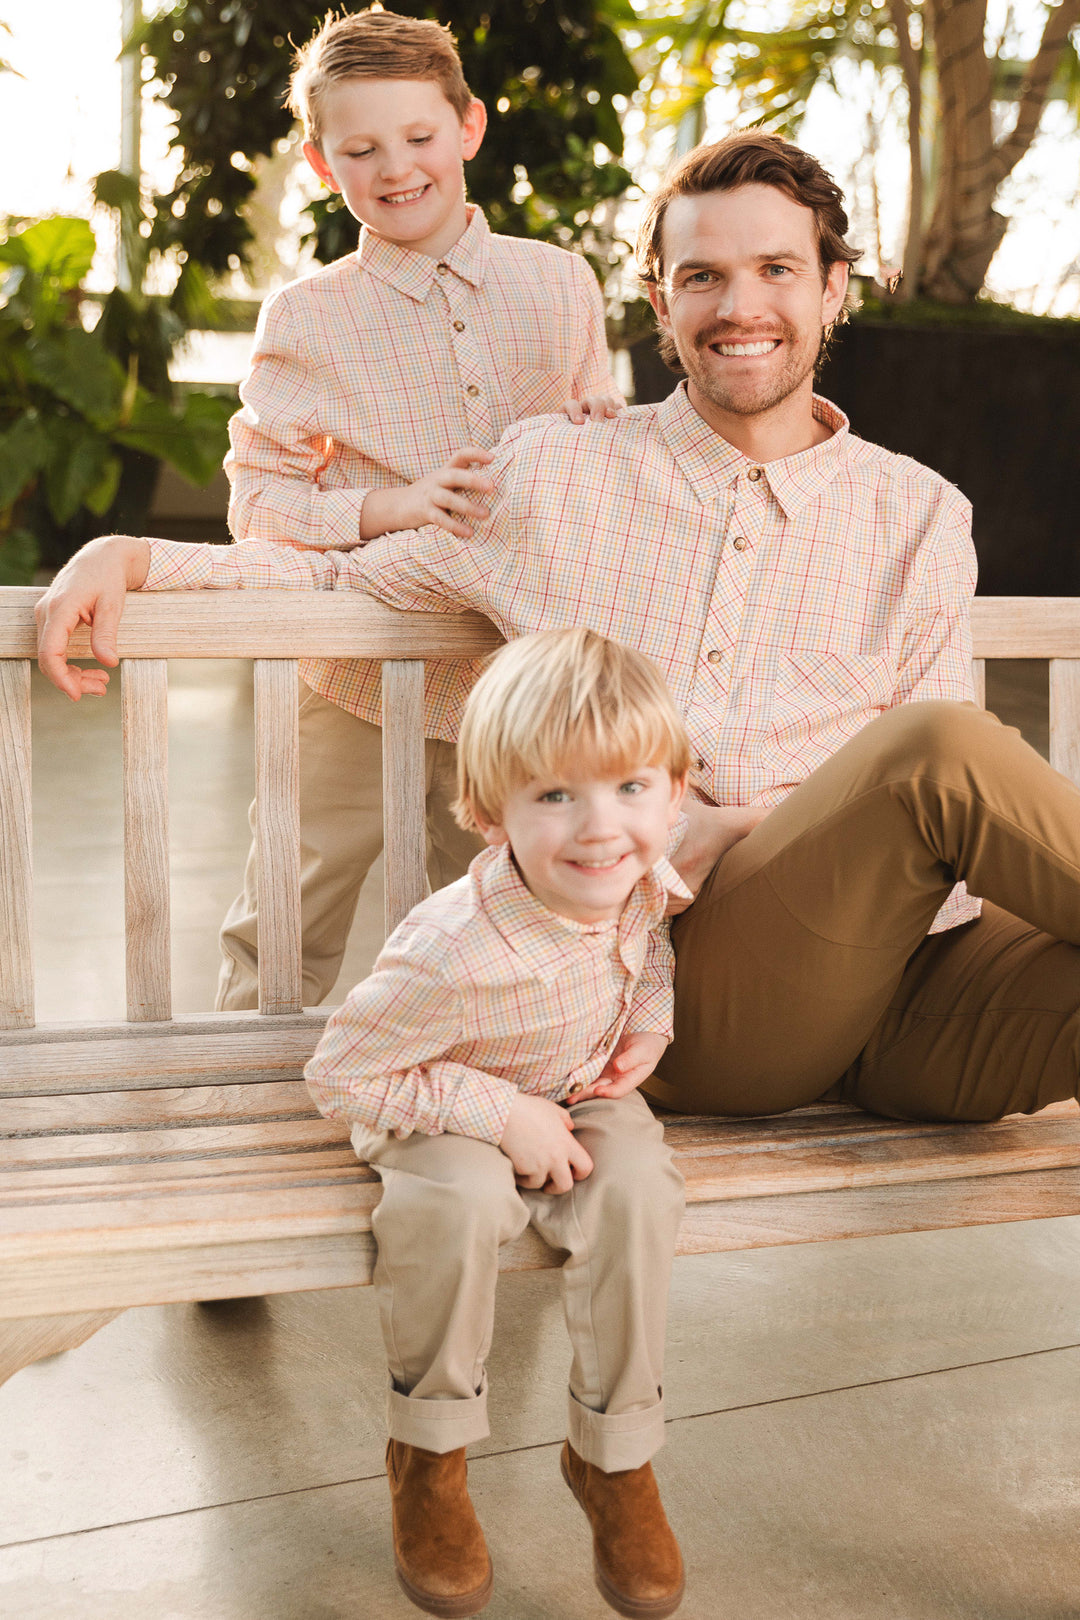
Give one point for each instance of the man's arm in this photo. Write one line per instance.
(936, 653)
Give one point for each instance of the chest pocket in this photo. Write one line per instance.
(822, 700)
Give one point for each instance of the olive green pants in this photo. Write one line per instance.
(805, 960)
(341, 835)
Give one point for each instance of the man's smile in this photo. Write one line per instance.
(739, 351)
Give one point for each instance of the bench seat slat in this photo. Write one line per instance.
(26, 1188)
(138, 1110)
(172, 1142)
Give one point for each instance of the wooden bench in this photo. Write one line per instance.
(169, 1159)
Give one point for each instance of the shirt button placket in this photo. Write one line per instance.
(475, 388)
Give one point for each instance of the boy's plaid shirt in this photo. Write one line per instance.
(374, 371)
(786, 604)
(481, 993)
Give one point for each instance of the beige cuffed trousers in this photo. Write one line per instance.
(341, 832)
(448, 1204)
(805, 960)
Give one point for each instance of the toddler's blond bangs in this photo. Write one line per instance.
(558, 703)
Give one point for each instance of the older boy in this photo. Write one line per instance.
(489, 1067)
(377, 387)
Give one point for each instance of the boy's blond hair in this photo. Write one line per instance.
(561, 700)
(373, 44)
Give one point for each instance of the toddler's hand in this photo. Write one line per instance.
(539, 1142)
(633, 1060)
(596, 406)
(444, 497)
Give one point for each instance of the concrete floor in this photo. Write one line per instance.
(883, 1429)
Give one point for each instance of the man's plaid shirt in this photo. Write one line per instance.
(483, 992)
(374, 371)
(787, 604)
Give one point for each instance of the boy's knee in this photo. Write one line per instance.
(473, 1200)
(642, 1179)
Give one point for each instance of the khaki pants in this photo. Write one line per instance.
(449, 1202)
(805, 959)
(341, 836)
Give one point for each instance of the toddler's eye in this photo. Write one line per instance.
(555, 796)
(632, 787)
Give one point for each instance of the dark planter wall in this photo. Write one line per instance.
(997, 412)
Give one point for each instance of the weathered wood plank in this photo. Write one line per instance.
(1065, 717)
(243, 1177)
(36, 1336)
(1026, 627)
(164, 1061)
(331, 1247)
(261, 624)
(175, 1143)
(277, 796)
(978, 680)
(240, 1024)
(16, 872)
(145, 729)
(181, 1105)
(403, 788)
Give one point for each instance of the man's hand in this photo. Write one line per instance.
(595, 406)
(90, 589)
(539, 1142)
(711, 831)
(633, 1060)
(444, 497)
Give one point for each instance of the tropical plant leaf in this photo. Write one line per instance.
(24, 450)
(78, 466)
(18, 557)
(192, 437)
(60, 248)
(75, 367)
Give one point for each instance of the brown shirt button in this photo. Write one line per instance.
(699, 765)
(715, 657)
(754, 474)
(459, 326)
(739, 543)
(442, 268)
(472, 389)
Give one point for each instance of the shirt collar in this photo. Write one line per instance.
(543, 939)
(711, 464)
(414, 273)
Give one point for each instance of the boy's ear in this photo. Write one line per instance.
(317, 162)
(492, 832)
(473, 126)
(678, 794)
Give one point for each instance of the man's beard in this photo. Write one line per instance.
(751, 396)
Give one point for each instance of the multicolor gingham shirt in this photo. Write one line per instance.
(787, 603)
(481, 993)
(374, 371)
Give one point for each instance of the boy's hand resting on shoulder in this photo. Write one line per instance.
(594, 406)
(539, 1142)
(89, 589)
(633, 1060)
(445, 497)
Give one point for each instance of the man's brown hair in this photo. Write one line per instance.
(748, 158)
(374, 44)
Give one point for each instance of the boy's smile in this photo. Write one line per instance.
(394, 149)
(581, 842)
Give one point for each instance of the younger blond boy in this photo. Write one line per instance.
(489, 1067)
(377, 388)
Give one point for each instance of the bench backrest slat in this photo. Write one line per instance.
(277, 800)
(16, 872)
(404, 841)
(145, 731)
(1065, 717)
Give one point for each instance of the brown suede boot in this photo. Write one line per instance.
(636, 1558)
(439, 1548)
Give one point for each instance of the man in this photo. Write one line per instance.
(807, 597)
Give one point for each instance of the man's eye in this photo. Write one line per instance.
(777, 270)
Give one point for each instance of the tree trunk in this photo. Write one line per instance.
(965, 229)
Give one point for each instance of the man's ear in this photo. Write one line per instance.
(473, 126)
(659, 304)
(836, 286)
(320, 165)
